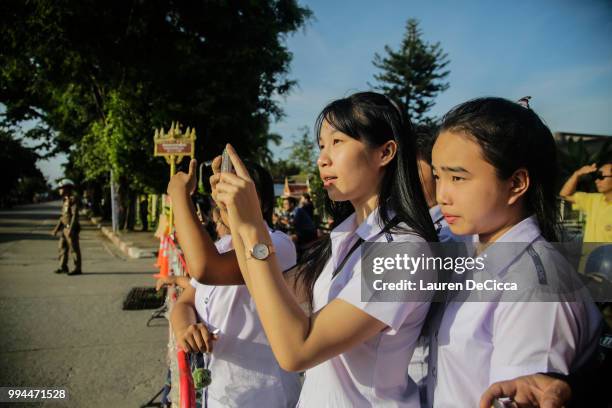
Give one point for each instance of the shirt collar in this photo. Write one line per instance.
(501, 256)
(525, 231)
(368, 229)
(345, 228)
(435, 213)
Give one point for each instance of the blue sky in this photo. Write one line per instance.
(559, 52)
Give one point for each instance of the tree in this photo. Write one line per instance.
(98, 94)
(21, 179)
(282, 168)
(304, 152)
(414, 75)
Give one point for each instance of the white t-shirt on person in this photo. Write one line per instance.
(244, 371)
(371, 374)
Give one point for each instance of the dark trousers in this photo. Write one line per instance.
(69, 245)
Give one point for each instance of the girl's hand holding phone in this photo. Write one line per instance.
(237, 193)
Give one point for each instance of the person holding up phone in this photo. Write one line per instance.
(215, 315)
(355, 352)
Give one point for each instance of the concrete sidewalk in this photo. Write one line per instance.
(134, 244)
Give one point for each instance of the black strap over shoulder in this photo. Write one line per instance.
(358, 243)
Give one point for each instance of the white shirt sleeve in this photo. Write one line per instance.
(531, 337)
(285, 250)
(393, 314)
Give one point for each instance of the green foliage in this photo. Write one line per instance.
(116, 144)
(21, 179)
(262, 152)
(413, 75)
(304, 155)
(283, 168)
(100, 76)
(304, 152)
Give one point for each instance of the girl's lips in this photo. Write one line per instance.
(451, 218)
(328, 181)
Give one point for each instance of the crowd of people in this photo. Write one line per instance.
(488, 175)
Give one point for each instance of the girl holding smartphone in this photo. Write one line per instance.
(355, 352)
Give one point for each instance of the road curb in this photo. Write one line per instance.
(127, 247)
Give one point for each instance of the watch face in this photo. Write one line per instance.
(261, 251)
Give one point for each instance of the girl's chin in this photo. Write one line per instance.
(336, 195)
(333, 193)
(459, 228)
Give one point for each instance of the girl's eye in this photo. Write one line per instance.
(336, 141)
(457, 178)
(321, 147)
(435, 176)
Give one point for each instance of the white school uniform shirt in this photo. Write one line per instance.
(479, 343)
(244, 371)
(374, 373)
(417, 369)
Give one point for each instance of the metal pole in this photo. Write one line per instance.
(113, 202)
(171, 215)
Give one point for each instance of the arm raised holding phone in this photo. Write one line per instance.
(204, 262)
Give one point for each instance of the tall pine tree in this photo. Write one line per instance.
(414, 75)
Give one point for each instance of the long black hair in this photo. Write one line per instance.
(512, 136)
(264, 184)
(373, 119)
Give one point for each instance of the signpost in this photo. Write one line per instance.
(173, 146)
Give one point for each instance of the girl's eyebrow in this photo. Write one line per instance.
(452, 169)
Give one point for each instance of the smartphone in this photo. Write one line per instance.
(504, 403)
(226, 163)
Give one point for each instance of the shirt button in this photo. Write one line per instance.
(206, 300)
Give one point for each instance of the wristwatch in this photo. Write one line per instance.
(260, 251)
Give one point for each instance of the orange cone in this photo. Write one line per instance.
(160, 252)
(163, 262)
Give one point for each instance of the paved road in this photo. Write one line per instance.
(70, 331)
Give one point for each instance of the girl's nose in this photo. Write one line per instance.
(442, 195)
(323, 160)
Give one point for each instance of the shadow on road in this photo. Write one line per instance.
(29, 216)
(25, 236)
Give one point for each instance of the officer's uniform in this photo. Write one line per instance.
(68, 226)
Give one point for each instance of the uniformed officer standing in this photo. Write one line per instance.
(68, 226)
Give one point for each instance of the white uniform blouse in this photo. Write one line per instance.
(479, 343)
(244, 371)
(374, 373)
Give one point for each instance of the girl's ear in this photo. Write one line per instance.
(387, 152)
(519, 183)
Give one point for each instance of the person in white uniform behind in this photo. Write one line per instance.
(243, 368)
(355, 352)
(495, 167)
